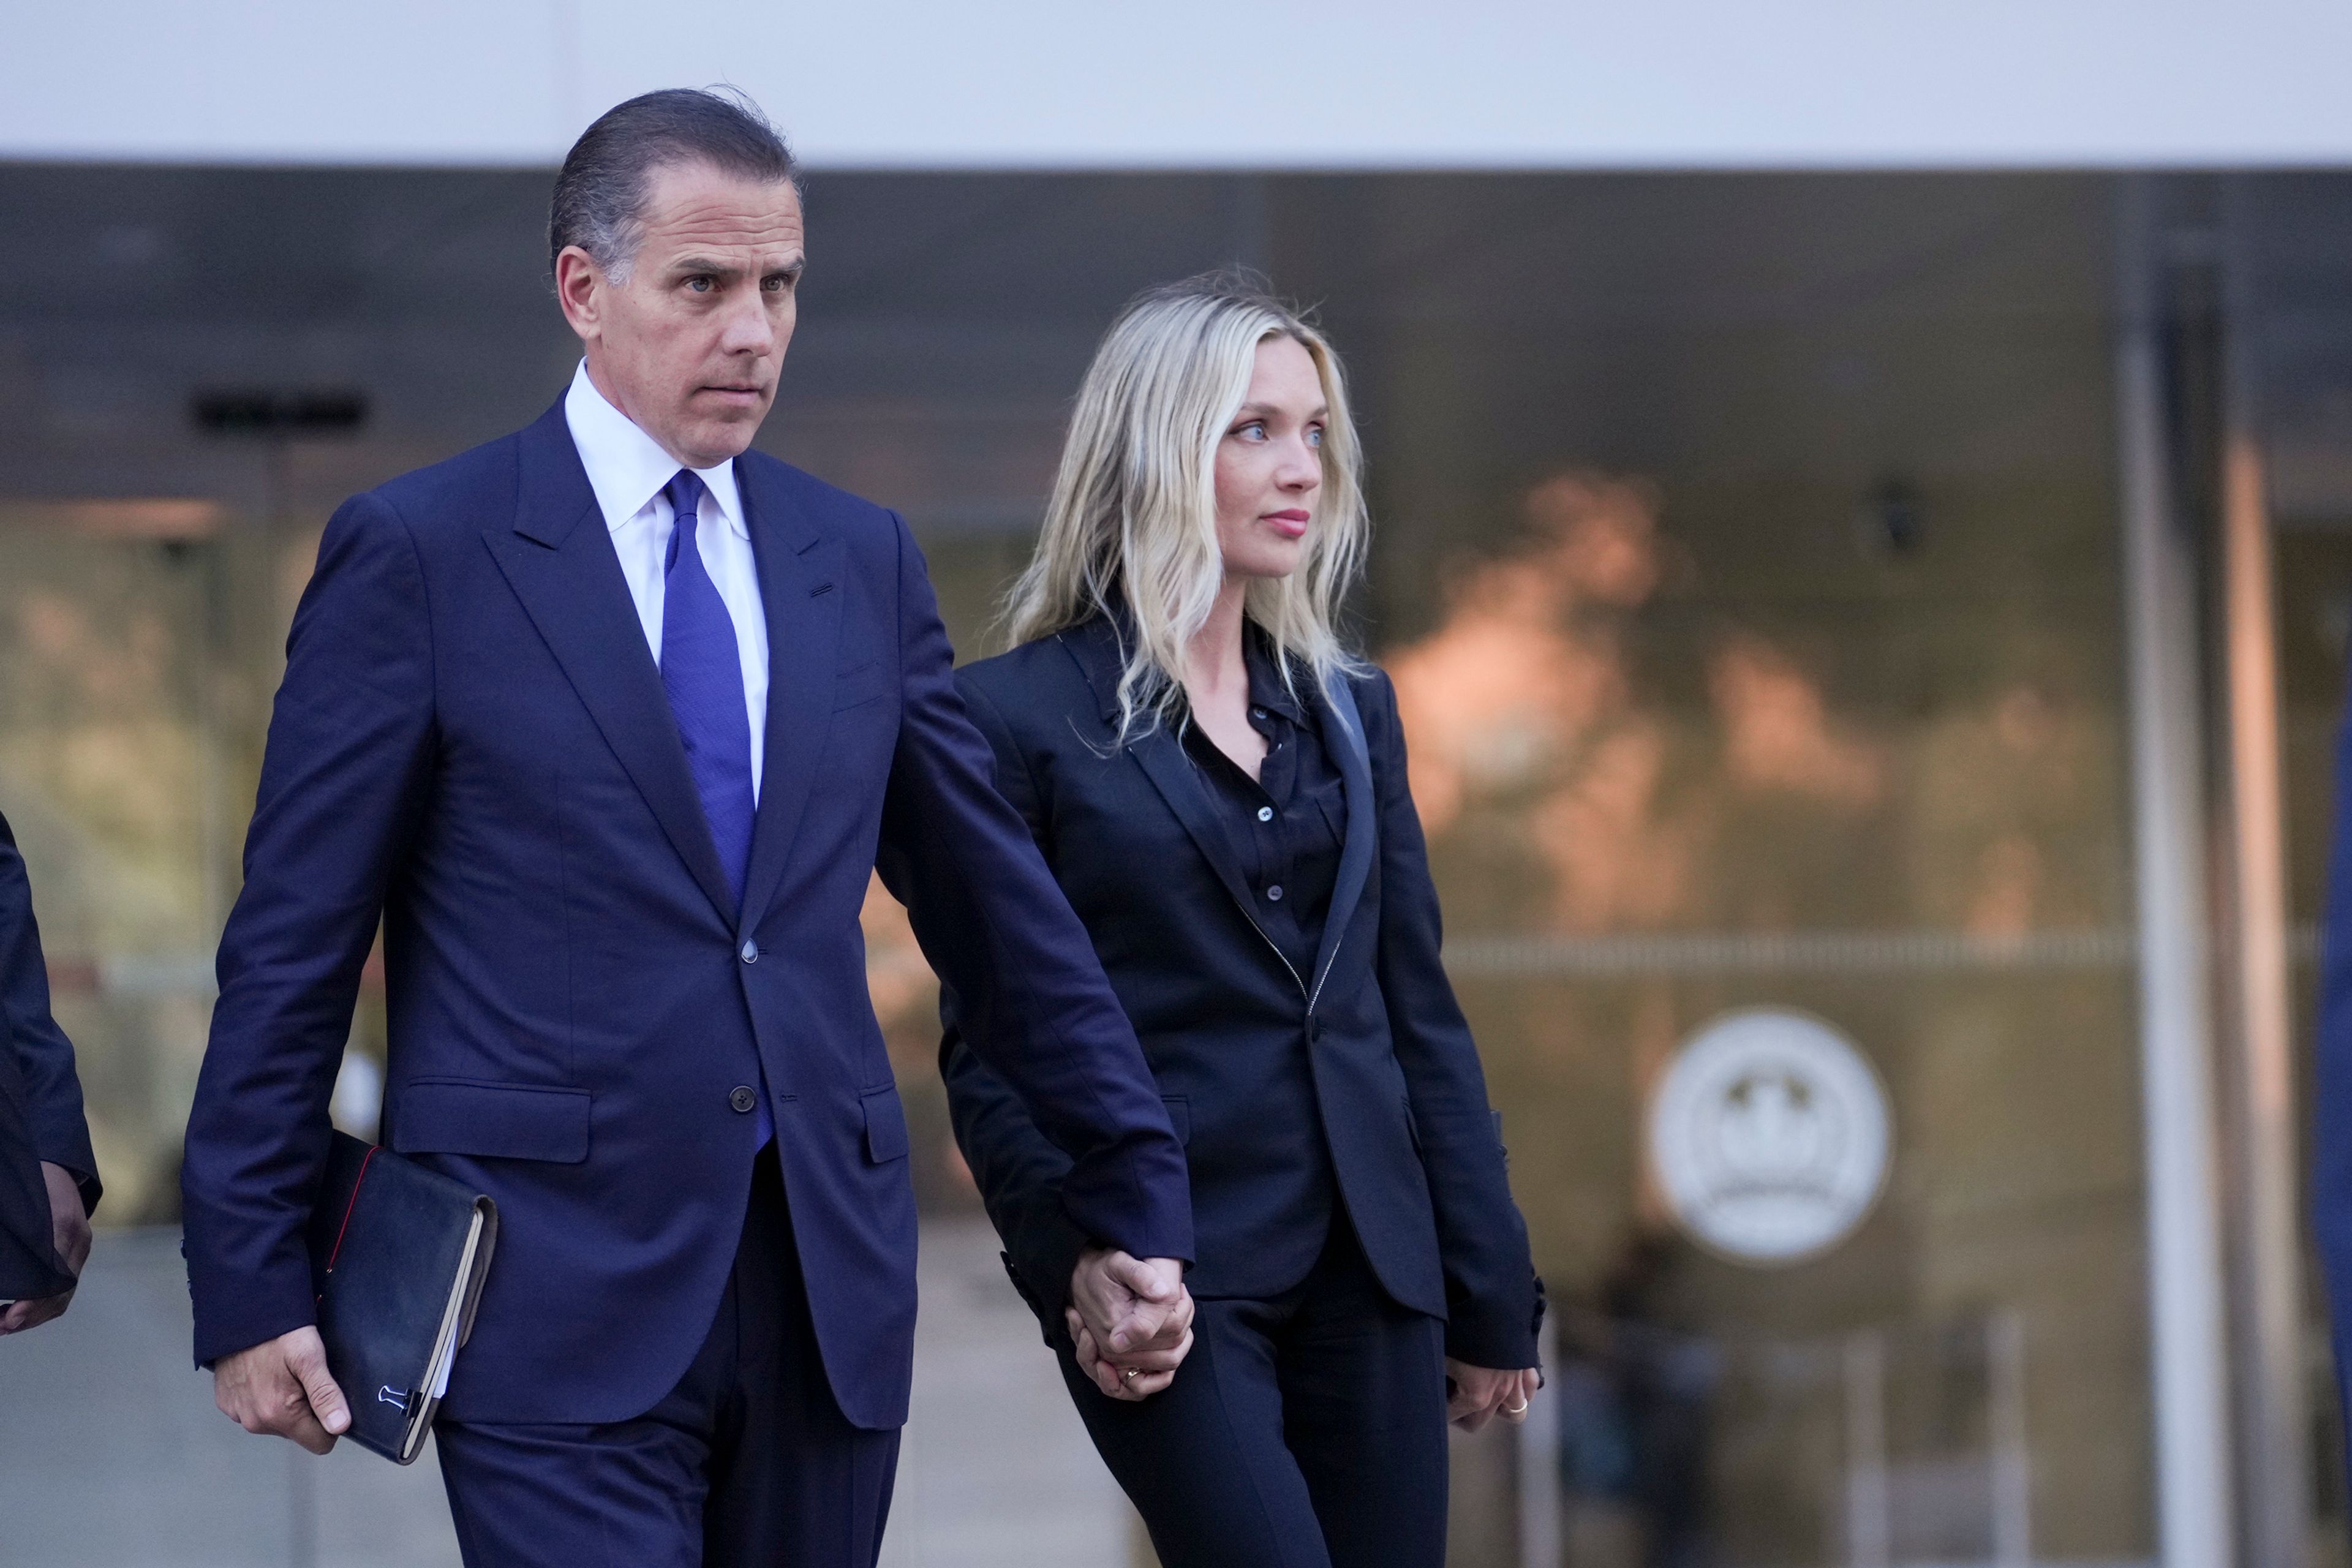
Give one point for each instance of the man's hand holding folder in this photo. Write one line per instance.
(282, 1386)
(398, 1255)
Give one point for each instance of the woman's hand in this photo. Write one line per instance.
(1130, 1321)
(1134, 1375)
(1476, 1395)
(1130, 1303)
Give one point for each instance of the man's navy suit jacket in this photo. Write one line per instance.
(40, 1097)
(1360, 1074)
(472, 743)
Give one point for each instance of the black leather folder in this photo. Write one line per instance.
(398, 1255)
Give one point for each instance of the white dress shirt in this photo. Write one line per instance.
(627, 468)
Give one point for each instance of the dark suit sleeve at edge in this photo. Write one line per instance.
(1490, 1286)
(1017, 1169)
(1030, 996)
(2331, 1153)
(344, 775)
(44, 1056)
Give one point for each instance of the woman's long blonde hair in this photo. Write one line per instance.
(1133, 516)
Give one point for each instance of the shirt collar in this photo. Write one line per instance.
(627, 467)
(1267, 689)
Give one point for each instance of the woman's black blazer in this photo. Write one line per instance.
(1360, 1074)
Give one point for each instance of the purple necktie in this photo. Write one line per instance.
(702, 672)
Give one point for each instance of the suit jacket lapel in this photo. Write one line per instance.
(800, 589)
(1095, 648)
(1343, 738)
(1161, 757)
(560, 561)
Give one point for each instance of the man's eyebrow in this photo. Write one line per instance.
(706, 267)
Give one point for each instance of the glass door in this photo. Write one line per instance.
(114, 774)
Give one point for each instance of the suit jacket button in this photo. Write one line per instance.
(742, 1096)
(751, 951)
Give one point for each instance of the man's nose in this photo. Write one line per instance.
(748, 330)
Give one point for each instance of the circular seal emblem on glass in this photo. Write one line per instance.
(1769, 1136)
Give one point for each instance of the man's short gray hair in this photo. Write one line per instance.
(600, 192)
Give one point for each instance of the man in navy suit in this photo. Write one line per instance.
(609, 722)
(48, 1182)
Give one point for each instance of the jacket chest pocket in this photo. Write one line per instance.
(869, 682)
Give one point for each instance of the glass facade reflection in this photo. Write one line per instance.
(1763, 648)
(1748, 564)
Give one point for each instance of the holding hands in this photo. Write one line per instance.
(1130, 1319)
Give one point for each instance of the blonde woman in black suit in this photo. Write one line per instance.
(1219, 788)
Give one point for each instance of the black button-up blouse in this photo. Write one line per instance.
(1286, 826)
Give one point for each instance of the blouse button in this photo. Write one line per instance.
(1266, 813)
(1275, 893)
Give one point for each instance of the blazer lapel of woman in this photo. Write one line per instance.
(1097, 648)
(1343, 737)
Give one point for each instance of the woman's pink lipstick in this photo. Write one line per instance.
(1292, 524)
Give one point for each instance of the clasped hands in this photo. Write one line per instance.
(1130, 1321)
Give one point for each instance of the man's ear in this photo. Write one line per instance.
(579, 289)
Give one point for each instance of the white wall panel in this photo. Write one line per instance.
(1053, 83)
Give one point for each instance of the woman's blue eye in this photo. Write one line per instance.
(1315, 438)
